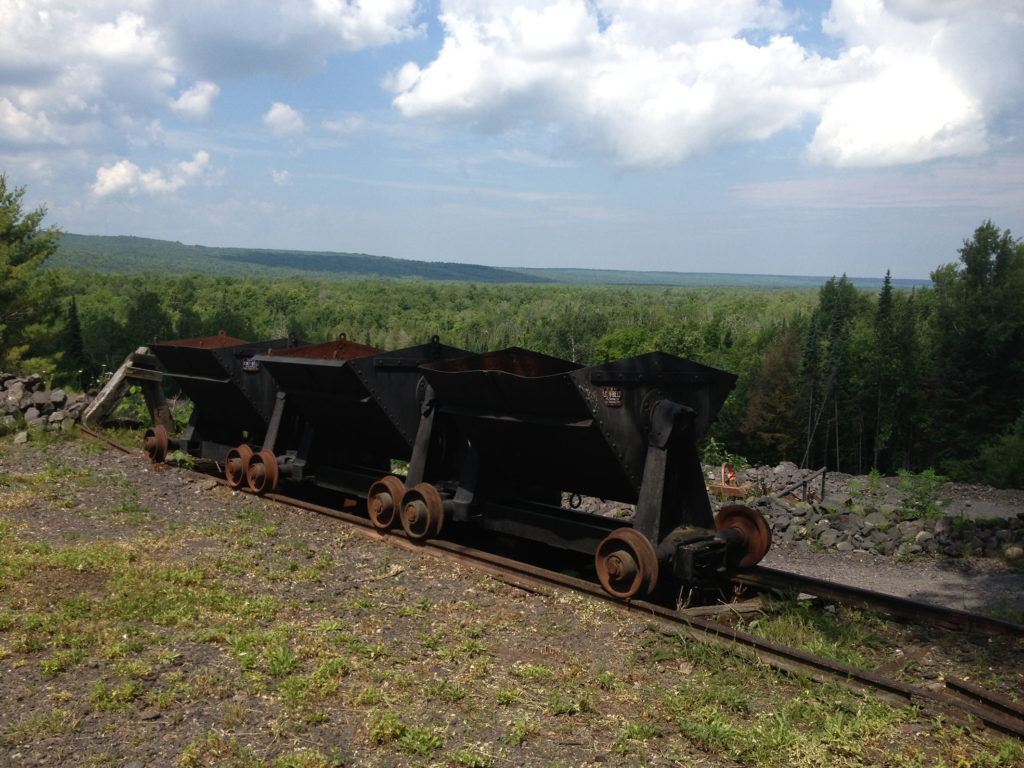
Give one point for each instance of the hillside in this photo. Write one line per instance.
(128, 254)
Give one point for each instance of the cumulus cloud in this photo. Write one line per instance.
(195, 103)
(283, 120)
(126, 176)
(20, 127)
(654, 82)
(231, 39)
(281, 178)
(98, 70)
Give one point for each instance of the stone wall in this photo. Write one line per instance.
(830, 525)
(28, 398)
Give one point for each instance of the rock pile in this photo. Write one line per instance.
(836, 523)
(25, 401)
(828, 525)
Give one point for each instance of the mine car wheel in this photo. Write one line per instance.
(154, 444)
(627, 564)
(422, 512)
(262, 472)
(383, 500)
(757, 538)
(236, 465)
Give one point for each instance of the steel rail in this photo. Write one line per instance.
(977, 703)
(987, 698)
(770, 578)
(113, 444)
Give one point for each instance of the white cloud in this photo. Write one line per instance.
(126, 176)
(283, 120)
(97, 71)
(281, 178)
(237, 39)
(195, 103)
(654, 82)
(350, 124)
(20, 127)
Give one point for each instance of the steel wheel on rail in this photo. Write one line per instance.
(627, 564)
(236, 465)
(383, 501)
(154, 444)
(262, 473)
(757, 538)
(422, 512)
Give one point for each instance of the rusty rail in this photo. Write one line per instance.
(762, 577)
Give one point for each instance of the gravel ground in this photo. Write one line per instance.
(975, 584)
(479, 672)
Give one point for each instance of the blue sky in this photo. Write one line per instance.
(747, 136)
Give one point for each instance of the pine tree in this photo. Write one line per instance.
(979, 333)
(29, 295)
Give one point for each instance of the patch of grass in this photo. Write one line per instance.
(518, 731)
(56, 722)
(106, 699)
(61, 662)
(217, 749)
(385, 727)
(420, 740)
(281, 661)
(470, 757)
(509, 696)
(534, 672)
(606, 681)
(446, 690)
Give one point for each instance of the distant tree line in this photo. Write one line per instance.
(837, 377)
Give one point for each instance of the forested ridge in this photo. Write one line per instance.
(122, 254)
(836, 376)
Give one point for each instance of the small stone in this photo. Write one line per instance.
(876, 518)
(923, 537)
(21, 437)
(844, 546)
(56, 416)
(910, 527)
(828, 538)
(32, 414)
(58, 397)
(1013, 553)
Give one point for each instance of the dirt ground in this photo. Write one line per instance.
(160, 619)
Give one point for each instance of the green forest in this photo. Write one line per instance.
(835, 375)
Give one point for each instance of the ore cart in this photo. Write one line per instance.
(233, 398)
(528, 428)
(357, 409)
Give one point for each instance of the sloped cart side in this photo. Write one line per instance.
(356, 409)
(529, 428)
(233, 398)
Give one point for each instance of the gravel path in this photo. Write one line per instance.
(976, 584)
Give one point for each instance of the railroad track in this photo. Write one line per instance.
(959, 697)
